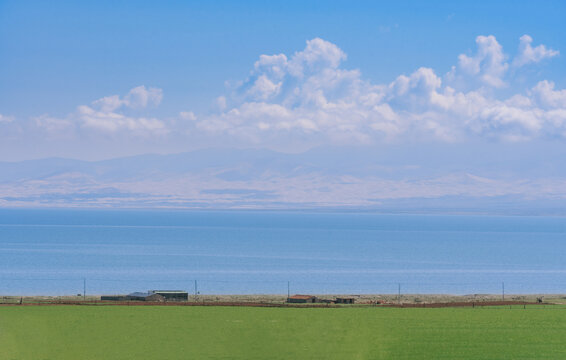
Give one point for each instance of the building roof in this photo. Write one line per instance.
(140, 294)
(301, 297)
(169, 291)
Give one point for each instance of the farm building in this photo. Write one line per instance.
(135, 296)
(344, 300)
(139, 296)
(172, 295)
(301, 299)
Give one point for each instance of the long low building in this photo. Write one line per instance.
(172, 295)
(135, 296)
(301, 299)
(348, 300)
(139, 296)
(151, 295)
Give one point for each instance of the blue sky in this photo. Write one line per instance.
(59, 56)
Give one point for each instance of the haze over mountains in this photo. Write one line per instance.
(448, 178)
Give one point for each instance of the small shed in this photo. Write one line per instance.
(344, 300)
(301, 299)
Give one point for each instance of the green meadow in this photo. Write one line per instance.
(160, 332)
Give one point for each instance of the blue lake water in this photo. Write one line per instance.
(250, 252)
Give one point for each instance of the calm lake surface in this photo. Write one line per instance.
(249, 252)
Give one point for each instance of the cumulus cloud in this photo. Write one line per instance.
(317, 55)
(488, 64)
(137, 98)
(311, 97)
(263, 88)
(275, 66)
(306, 93)
(140, 97)
(545, 95)
(108, 114)
(310, 94)
(528, 54)
(416, 90)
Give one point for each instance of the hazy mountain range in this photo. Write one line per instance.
(442, 179)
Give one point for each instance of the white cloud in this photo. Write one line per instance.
(528, 54)
(310, 98)
(109, 103)
(6, 118)
(545, 95)
(305, 94)
(309, 95)
(275, 66)
(140, 97)
(52, 125)
(415, 91)
(264, 89)
(488, 64)
(137, 98)
(112, 122)
(318, 54)
(187, 115)
(527, 121)
(109, 115)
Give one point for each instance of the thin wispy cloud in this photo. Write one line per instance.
(6, 118)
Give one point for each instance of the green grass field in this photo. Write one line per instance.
(121, 332)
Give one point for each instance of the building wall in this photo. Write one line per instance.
(301, 301)
(155, 297)
(344, 301)
(180, 296)
(296, 301)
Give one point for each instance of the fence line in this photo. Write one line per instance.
(96, 286)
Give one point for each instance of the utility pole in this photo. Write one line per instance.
(288, 290)
(84, 288)
(503, 291)
(196, 289)
(399, 294)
